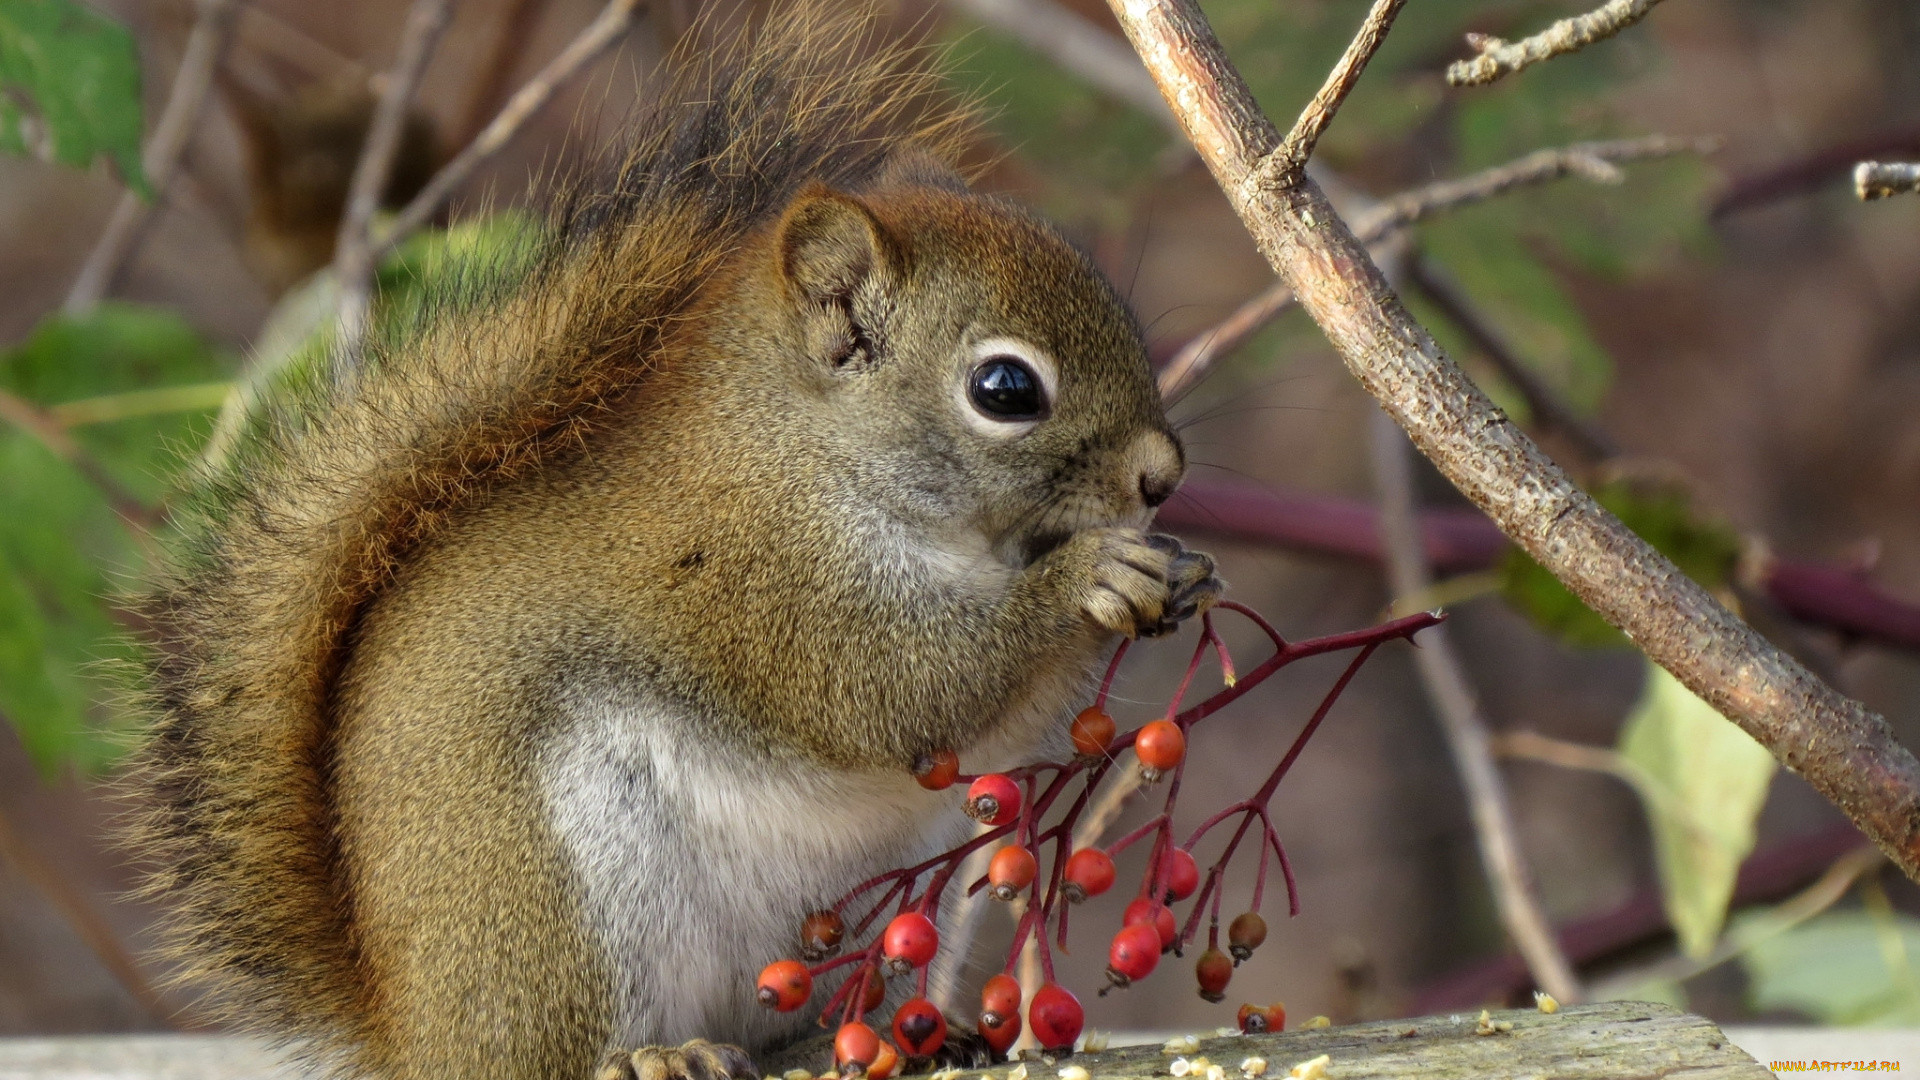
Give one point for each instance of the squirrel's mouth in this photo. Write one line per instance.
(1038, 545)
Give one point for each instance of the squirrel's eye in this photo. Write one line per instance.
(1003, 388)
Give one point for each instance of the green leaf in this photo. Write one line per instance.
(70, 86)
(1663, 515)
(63, 552)
(1848, 967)
(1704, 782)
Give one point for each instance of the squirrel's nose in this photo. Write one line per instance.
(1157, 488)
(1161, 466)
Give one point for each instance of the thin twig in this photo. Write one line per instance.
(1078, 46)
(50, 433)
(1466, 732)
(1498, 58)
(1878, 180)
(1810, 172)
(1196, 358)
(512, 33)
(1593, 161)
(607, 28)
(354, 257)
(80, 915)
(1299, 143)
(1844, 750)
(212, 29)
(1437, 286)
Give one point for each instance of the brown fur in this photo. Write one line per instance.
(258, 623)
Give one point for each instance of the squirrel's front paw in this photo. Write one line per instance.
(695, 1060)
(1143, 584)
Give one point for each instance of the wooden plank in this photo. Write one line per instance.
(1608, 1041)
(1611, 1041)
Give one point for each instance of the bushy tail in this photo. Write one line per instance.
(254, 621)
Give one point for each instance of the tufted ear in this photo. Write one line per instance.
(830, 244)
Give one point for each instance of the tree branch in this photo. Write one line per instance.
(1498, 58)
(1454, 704)
(1299, 143)
(212, 29)
(1800, 175)
(607, 28)
(1593, 161)
(353, 261)
(1462, 541)
(1433, 283)
(1846, 751)
(1878, 180)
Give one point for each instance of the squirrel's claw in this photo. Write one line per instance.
(695, 1060)
(1192, 587)
(1145, 584)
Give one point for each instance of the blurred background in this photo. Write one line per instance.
(1726, 345)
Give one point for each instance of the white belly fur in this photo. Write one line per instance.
(697, 861)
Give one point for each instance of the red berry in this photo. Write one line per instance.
(1183, 875)
(884, 1062)
(909, 942)
(1092, 731)
(855, 1044)
(1056, 1017)
(937, 771)
(919, 1028)
(1012, 869)
(1000, 1030)
(1245, 934)
(1134, 953)
(1255, 1020)
(1213, 971)
(1145, 910)
(1089, 873)
(1160, 746)
(820, 935)
(1001, 995)
(785, 985)
(994, 799)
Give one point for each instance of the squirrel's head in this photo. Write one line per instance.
(962, 364)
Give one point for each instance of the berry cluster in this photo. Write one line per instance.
(1013, 806)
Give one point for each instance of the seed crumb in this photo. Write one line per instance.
(1074, 1072)
(1019, 1072)
(1316, 1022)
(1216, 1072)
(1181, 1044)
(796, 1074)
(1095, 1042)
(1545, 1002)
(1312, 1069)
(1253, 1068)
(1180, 1067)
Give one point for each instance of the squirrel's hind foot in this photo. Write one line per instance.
(695, 1060)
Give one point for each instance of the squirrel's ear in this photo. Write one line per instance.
(829, 244)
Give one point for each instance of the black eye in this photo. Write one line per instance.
(1006, 389)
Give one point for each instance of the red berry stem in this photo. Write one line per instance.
(1286, 868)
(1209, 636)
(1113, 668)
(837, 962)
(1259, 620)
(1193, 666)
(1259, 881)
